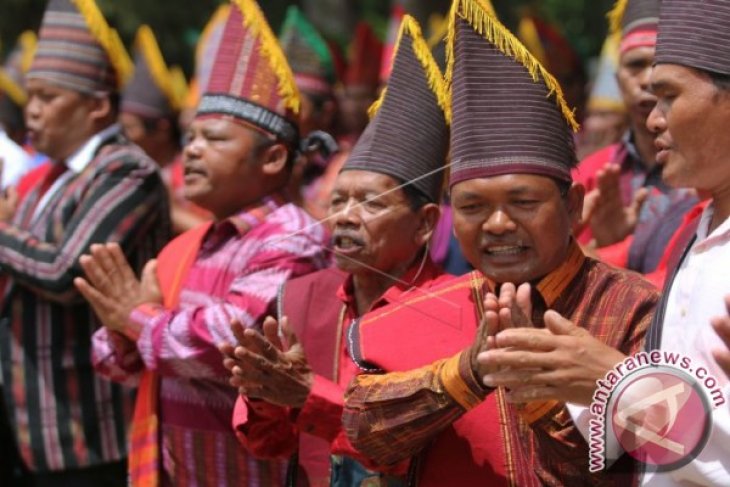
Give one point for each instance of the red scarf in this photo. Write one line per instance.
(173, 264)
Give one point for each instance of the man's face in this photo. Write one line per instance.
(514, 228)
(690, 124)
(373, 224)
(633, 79)
(222, 168)
(59, 121)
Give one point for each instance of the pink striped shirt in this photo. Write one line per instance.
(236, 274)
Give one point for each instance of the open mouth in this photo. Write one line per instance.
(347, 244)
(505, 250)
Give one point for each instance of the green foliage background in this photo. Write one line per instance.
(178, 23)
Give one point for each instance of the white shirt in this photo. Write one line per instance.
(77, 162)
(16, 162)
(697, 295)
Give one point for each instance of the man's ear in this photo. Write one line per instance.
(574, 202)
(429, 215)
(101, 106)
(274, 159)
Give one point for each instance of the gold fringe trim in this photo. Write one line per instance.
(108, 38)
(12, 89)
(27, 42)
(255, 22)
(616, 16)
(150, 49)
(219, 17)
(435, 78)
(487, 25)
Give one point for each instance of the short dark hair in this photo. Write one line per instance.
(721, 81)
(416, 198)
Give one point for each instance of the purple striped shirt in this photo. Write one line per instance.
(63, 414)
(236, 274)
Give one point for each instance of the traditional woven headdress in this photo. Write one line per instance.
(635, 21)
(307, 53)
(154, 91)
(509, 114)
(694, 33)
(251, 80)
(78, 50)
(407, 137)
(606, 94)
(12, 73)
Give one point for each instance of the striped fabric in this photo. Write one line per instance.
(393, 415)
(68, 54)
(248, 80)
(695, 33)
(237, 272)
(503, 122)
(408, 138)
(640, 14)
(63, 414)
(307, 53)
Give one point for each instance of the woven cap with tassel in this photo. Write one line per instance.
(407, 137)
(635, 21)
(151, 93)
(77, 49)
(250, 80)
(509, 114)
(307, 53)
(12, 73)
(606, 94)
(695, 34)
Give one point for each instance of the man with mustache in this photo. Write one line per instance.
(514, 209)
(67, 423)
(238, 159)
(691, 80)
(383, 211)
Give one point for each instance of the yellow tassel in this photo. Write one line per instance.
(147, 45)
(409, 26)
(179, 86)
(14, 92)
(616, 16)
(439, 26)
(528, 34)
(375, 107)
(486, 25)
(255, 22)
(27, 42)
(108, 38)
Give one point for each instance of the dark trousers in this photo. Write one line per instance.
(13, 472)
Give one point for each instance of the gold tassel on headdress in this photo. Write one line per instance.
(486, 24)
(255, 22)
(531, 38)
(616, 16)
(11, 88)
(27, 41)
(435, 78)
(162, 76)
(108, 38)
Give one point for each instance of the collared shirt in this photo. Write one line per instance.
(411, 408)
(236, 274)
(696, 296)
(64, 415)
(268, 430)
(77, 162)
